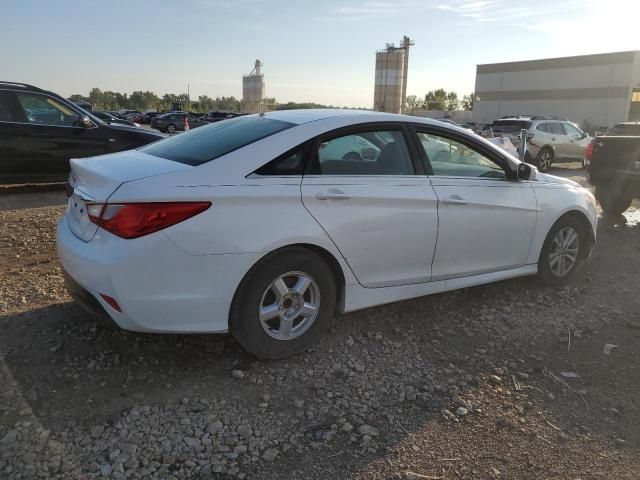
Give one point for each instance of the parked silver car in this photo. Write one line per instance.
(549, 139)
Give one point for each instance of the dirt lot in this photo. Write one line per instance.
(473, 384)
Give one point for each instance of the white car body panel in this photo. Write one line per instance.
(365, 227)
(489, 230)
(394, 239)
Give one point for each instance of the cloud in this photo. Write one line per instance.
(367, 10)
(491, 10)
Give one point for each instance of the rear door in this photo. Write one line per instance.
(55, 135)
(559, 139)
(14, 137)
(486, 220)
(367, 190)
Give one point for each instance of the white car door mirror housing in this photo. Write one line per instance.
(526, 171)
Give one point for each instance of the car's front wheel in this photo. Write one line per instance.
(171, 128)
(562, 251)
(284, 304)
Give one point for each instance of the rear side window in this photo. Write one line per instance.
(625, 129)
(510, 126)
(290, 163)
(542, 127)
(209, 142)
(5, 108)
(556, 128)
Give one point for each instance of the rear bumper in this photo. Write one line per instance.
(159, 287)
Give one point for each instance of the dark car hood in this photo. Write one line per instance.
(142, 131)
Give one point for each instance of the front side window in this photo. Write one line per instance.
(572, 131)
(209, 142)
(364, 153)
(454, 159)
(42, 110)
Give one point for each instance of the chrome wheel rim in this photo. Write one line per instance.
(563, 254)
(171, 129)
(289, 305)
(545, 161)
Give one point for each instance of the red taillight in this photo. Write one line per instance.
(133, 220)
(588, 151)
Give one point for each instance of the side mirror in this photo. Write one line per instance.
(84, 122)
(526, 172)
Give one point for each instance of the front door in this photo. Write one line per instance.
(363, 190)
(486, 221)
(577, 141)
(55, 135)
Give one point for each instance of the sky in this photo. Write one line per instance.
(313, 50)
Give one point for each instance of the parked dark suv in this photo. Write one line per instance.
(40, 131)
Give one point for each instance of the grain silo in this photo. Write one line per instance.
(253, 90)
(390, 88)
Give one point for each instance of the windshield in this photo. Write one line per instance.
(207, 143)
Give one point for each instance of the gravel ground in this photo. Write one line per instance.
(472, 384)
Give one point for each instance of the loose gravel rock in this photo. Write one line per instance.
(464, 375)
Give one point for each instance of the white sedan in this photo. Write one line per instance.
(266, 225)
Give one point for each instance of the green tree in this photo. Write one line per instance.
(436, 99)
(467, 102)
(452, 101)
(413, 103)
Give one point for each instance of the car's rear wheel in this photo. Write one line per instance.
(544, 159)
(171, 128)
(562, 252)
(613, 203)
(284, 304)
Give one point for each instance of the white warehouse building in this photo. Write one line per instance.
(591, 90)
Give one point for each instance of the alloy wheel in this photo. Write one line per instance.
(563, 254)
(545, 161)
(289, 306)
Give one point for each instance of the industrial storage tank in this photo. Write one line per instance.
(390, 88)
(253, 90)
(387, 96)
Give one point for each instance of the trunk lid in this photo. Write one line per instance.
(93, 180)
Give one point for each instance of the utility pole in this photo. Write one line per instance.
(188, 99)
(406, 43)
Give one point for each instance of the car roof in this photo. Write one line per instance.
(302, 116)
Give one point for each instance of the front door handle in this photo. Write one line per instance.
(333, 194)
(454, 200)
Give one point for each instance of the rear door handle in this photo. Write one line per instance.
(454, 200)
(333, 194)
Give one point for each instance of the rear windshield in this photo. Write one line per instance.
(206, 143)
(510, 126)
(625, 129)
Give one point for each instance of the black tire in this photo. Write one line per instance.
(613, 203)
(244, 321)
(544, 159)
(171, 128)
(545, 272)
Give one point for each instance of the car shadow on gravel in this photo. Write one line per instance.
(63, 362)
(399, 372)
